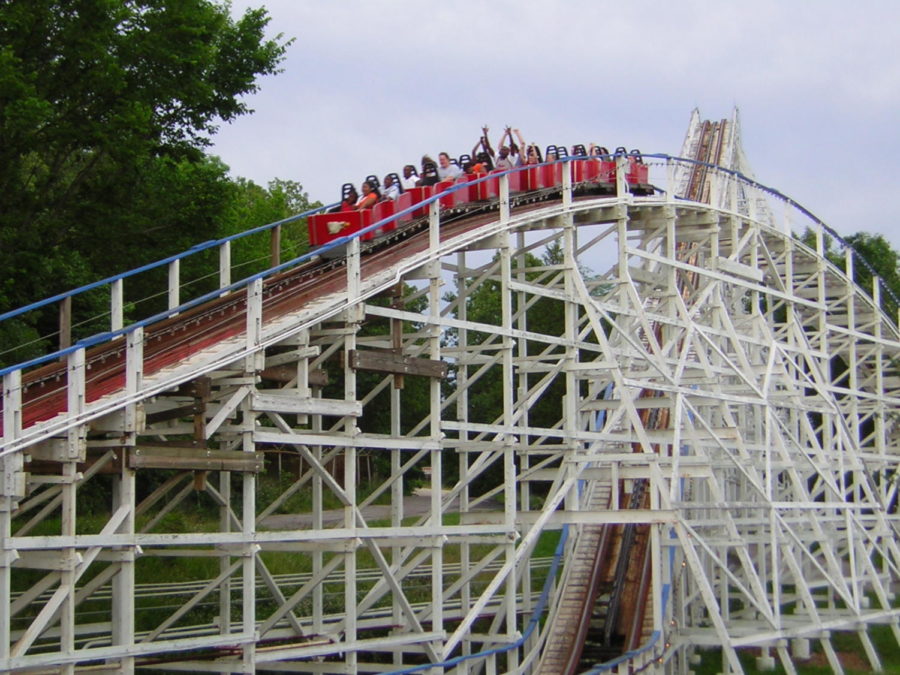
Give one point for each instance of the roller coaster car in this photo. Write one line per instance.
(325, 228)
(638, 173)
(590, 173)
(598, 172)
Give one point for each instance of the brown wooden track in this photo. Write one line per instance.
(172, 340)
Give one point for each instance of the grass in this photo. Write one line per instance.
(198, 513)
(847, 645)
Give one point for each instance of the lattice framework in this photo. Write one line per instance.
(770, 466)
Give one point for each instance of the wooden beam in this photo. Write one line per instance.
(201, 459)
(317, 377)
(196, 408)
(386, 361)
(282, 401)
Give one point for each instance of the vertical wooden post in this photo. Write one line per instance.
(434, 225)
(397, 331)
(354, 316)
(462, 414)
(124, 495)
(65, 322)
(253, 363)
(275, 246)
(437, 480)
(225, 264)
(116, 305)
(174, 284)
(12, 424)
(621, 170)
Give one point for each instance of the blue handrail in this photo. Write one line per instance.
(109, 335)
(212, 243)
(533, 622)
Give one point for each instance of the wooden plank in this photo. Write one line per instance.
(739, 269)
(176, 413)
(292, 402)
(200, 387)
(42, 467)
(285, 373)
(656, 278)
(387, 361)
(48, 560)
(200, 459)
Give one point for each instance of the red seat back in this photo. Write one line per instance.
(381, 211)
(455, 198)
(485, 189)
(638, 172)
(420, 194)
(518, 181)
(584, 170)
(403, 201)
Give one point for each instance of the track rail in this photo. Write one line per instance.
(174, 339)
(614, 583)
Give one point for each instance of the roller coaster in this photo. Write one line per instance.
(643, 426)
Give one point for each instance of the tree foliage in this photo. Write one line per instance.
(873, 254)
(881, 259)
(106, 107)
(545, 316)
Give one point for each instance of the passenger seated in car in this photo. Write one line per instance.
(533, 155)
(429, 174)
(515, 155)
(370, 196)
(501, 159)
(410, 176)
(483, 152)
(446, 169)
(482, 163)
(348, 201)
(532, 151)
(391, 189)
(508, 152)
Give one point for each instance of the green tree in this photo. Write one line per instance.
(105, 109)
(546, 316)
(873, 254)
(880, 258)
(253, 204)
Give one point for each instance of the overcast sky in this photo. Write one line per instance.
(370, 86)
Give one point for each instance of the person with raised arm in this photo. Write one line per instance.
(484, 144)
(515, 151)
(502, 160)
(532, 151)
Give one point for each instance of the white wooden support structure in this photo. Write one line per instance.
(534, 371)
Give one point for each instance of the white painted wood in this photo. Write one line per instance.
(766, 480)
